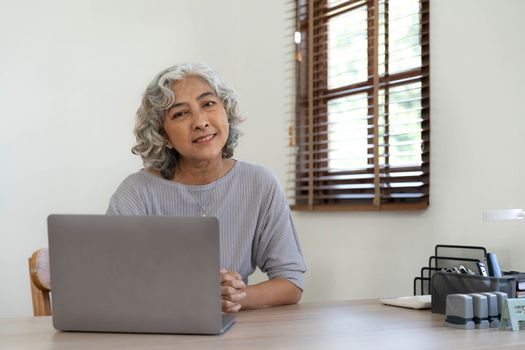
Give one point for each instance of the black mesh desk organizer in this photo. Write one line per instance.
(447, 256)
(439, 284)
(445, 283)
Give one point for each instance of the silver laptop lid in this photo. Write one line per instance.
(145, 274)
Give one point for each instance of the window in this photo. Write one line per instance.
(360, 136)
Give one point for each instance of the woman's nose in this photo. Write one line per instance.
(200, 120)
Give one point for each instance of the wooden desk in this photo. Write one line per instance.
(363, 324)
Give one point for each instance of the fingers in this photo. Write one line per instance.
(232, 279)
(230, 276)
(236, 284)
(232, 291)
(232, 294)
(231, 303)
(236, 298)
(227, 290)
(233, 274)
(236, 275)
(230, 307)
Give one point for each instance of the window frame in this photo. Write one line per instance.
(306, 135)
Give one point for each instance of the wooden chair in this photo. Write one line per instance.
(40, 282)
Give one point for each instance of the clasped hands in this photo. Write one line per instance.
(233, 291)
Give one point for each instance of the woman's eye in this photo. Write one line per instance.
(179, 114)
(209, 104)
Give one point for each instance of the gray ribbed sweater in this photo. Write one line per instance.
(255, 220)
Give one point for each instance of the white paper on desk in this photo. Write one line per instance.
(412, 302)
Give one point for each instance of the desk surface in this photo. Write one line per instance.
(363, 324)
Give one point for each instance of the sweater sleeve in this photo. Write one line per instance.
(127, 199)
(278, 252)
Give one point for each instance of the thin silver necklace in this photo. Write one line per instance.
(204, 212)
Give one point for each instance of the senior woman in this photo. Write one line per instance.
(186, 131)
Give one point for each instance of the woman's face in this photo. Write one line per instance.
(196, 125)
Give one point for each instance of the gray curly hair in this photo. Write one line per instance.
(149, 130)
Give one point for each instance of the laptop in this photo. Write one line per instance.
(137, 274)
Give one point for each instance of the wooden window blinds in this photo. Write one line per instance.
(360, 136)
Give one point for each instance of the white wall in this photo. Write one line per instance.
(71, 76)
(477, 163)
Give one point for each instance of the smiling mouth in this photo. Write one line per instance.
(204, 138)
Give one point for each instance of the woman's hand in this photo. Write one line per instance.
(232, 291)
